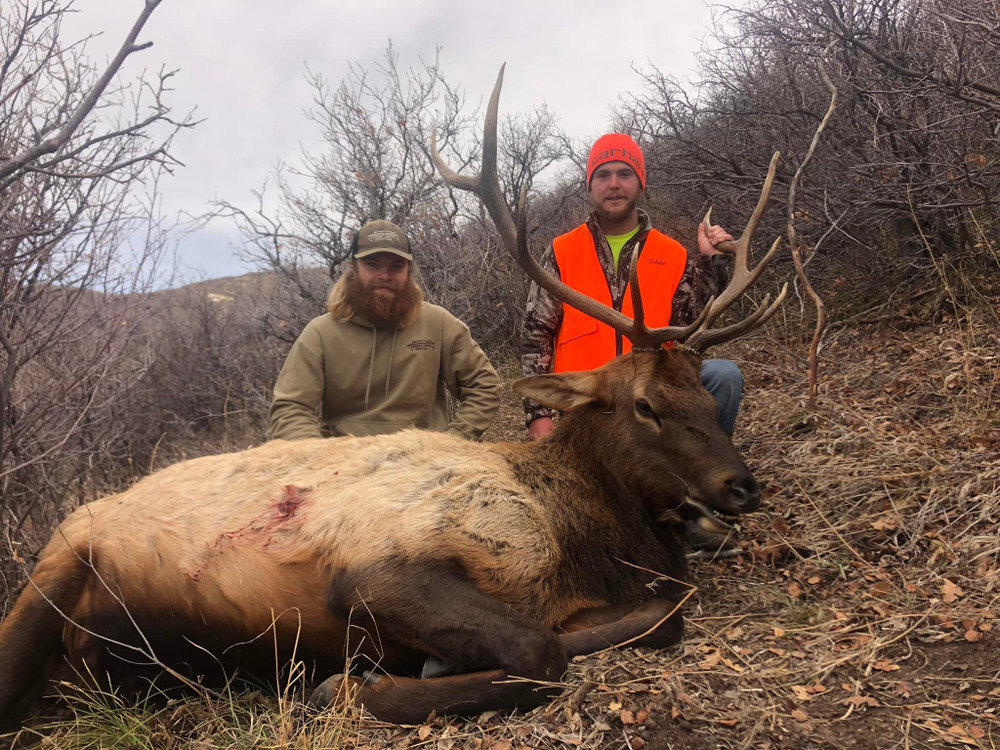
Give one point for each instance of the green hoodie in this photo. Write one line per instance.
(371, 381)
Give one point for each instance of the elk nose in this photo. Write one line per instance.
(744, 492)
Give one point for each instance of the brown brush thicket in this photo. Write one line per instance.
(81, 149)
(907, 172)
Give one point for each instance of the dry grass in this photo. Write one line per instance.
(862, 614)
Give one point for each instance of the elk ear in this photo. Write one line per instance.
(563, 390)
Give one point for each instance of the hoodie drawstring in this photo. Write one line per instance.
(371, 363)
(371, 366)
(388, 369)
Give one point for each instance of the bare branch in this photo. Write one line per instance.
(12, 164)
(793, 243)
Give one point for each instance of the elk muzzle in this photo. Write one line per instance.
(738, 494)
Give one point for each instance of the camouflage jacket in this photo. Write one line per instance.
(704, 276)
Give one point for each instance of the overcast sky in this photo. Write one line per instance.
(241, 66)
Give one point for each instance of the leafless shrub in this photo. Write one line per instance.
(377, 125)
(911, 148)
(207, 385)
(80, 154)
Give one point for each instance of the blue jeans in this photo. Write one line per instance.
(723, 379)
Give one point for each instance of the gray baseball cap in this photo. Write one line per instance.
(381, 236)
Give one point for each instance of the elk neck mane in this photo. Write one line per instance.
(610, 536)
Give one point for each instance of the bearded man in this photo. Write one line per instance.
(381, 359)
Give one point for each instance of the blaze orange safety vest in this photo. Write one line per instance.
(583, 343)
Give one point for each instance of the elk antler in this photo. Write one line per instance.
(743, 277)
(486, 185)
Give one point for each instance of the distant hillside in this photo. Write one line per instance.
(230, 288)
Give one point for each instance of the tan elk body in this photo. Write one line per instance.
(216, 549)
(416, 552)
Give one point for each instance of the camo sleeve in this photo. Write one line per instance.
(704, 277)
(542, 318)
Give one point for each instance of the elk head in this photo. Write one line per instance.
(653, 423)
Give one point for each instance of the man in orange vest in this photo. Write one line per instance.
(595, 258)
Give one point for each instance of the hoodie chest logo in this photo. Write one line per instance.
(420, 345)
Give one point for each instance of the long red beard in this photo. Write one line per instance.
(382, 309)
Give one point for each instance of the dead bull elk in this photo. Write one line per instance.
(458, 565)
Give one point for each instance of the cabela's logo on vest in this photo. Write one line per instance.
(657, 262)
(420, 345)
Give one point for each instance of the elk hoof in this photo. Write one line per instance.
(435, 667)
(334, 690)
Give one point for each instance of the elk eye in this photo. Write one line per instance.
(643, 409)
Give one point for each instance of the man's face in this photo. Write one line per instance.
(383, 274)
(614, 191)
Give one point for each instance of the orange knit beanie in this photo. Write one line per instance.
(616, 147)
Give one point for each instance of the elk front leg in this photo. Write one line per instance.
(656, 623)
(432, 607)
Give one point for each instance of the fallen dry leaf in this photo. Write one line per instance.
(884, 665)
(886, 524)
(861, 700)
(627, 717)
(799, 715)
(732, 665)
(802, 692)
(959, 733)
(713, 659)
(951, 591)
(424, 732)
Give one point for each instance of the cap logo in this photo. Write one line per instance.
(382, 235)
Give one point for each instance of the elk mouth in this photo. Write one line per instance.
(707, 518)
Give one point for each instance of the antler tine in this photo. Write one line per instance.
(651, 339)
(743, 276)
(703, 339)
(486, 185)
(681, 333)
(639, 336)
